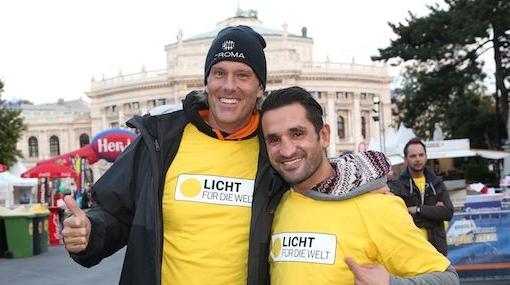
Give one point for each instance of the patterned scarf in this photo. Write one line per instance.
(354, 170)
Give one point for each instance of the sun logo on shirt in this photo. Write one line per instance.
(191, 187)
(276, 247)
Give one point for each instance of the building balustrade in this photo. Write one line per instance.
(143, 77)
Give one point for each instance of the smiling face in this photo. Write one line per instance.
(295, 149)
(233, 89)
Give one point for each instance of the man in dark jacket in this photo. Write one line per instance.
(425, 195)
(184, 195)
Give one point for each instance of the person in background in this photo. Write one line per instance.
(327, 223)
(424, 194)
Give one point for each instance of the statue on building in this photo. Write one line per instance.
(438, 133)
(285, 30)
(246, 13)
(303, 32)
(179, 37)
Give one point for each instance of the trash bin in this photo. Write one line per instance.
(40, 221)
(3, 239)
(19, 231)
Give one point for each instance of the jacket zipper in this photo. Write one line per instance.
(157, 210)
(158, 217)
(156, 145)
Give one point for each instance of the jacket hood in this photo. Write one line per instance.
(355, 174)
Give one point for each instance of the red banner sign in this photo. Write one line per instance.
(111, 143)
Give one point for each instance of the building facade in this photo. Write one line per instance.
(347, 91)
(54, 129)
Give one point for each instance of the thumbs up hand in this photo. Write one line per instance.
(76, 230)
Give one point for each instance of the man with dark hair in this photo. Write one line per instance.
(327, 222)
(425, 195)
(183, 195)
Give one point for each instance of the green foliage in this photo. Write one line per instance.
(443, 82)
(452, 98)
(11, 127)
(477, 170)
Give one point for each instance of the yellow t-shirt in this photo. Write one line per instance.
(421, 183)
(311, 238)
(206, 210)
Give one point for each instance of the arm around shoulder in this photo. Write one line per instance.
(447, 277)
(397, 240)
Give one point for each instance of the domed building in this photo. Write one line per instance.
(347, 91)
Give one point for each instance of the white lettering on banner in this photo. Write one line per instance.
(303, 247)
(103, 145)
(214, 190)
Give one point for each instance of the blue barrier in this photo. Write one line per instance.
(479, 243)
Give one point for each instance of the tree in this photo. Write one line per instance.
(11, 127)
(443, 53)
(452, 98)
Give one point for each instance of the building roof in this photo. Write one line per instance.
(242, 17)
(77, 105)
(212, 34)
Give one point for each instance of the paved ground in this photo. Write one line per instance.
(498, 282)
(55, 267)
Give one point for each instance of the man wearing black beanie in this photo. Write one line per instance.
(241, 44)
(183, 196)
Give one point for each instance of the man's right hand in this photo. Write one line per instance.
(76, 230)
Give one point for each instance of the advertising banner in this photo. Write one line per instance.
(479, 243)
(111, 143)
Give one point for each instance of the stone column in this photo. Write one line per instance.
(122, 122)
(356, 120)
(143, 107)
(44, 145)
(331, 120)
(104, 123)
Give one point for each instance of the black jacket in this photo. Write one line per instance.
(431, 217)
(129, 195)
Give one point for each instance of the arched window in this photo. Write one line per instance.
(363, 127)
(33, 147)
(340, 127)
(84, 140)
(54, 146)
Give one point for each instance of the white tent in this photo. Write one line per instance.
(4, 188)
(17, 169)
(396, 140)
(19, 190)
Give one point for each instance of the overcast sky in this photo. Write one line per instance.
(51, 49)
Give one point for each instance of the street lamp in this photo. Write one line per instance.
(379, 117)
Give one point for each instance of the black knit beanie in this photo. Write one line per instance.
(241, 44)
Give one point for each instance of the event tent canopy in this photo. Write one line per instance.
(394, 147)
(14, 183)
